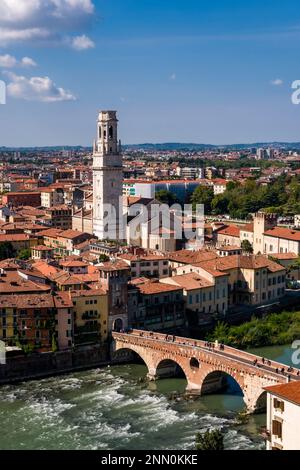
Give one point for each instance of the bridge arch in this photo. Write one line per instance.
(218, 380)
(169, 368)
(126, 352)
(260, 403)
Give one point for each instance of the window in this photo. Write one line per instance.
(278, 404)
(277, 428)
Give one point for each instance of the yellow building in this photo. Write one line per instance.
(90, 316)
(8, 324)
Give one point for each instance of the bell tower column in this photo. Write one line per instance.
(107, 178)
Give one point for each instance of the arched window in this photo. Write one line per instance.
(194, 363)
(100, 133)
(110, 132)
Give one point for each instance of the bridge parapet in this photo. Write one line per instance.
(200, 360)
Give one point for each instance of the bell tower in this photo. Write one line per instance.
(107, 178)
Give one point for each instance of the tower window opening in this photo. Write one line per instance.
(100, 133)
(110, 132)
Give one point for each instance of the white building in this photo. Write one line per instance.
(283, 416)
(107, 178)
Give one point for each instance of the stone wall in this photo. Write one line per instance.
(43, 365)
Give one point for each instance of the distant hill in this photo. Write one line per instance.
(44, 149)
(167, 146)
(174, 146)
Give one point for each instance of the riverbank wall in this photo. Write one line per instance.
(34, 366)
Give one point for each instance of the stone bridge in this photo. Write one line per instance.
(206, 365)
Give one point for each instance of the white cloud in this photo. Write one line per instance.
(81, 43)
(54, 20)
(29, 11)
(277, 82)
(28, 62)
(41, 89)
(8, 61)
(173, 76)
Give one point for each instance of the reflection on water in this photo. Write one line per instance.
(112, 408)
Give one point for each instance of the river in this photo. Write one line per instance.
(111, 408)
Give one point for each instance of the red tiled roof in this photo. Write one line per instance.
(230, 230)
(288, 391)
(191, 281)
(188, 256)
(282, 232)
(149, 288)
(241, 261)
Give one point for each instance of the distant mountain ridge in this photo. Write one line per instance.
(167, 146)
(173, 146)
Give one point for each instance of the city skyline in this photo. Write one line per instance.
(176, 72)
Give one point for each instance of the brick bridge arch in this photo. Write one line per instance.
(214, 363)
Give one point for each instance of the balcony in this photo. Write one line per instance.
(88, 316)
(87, 329)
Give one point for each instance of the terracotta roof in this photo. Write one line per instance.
(87, 293)
(41, 248)
(63, 300)
(27, 301)
(284, 256)
(50, 232)
(289, 391)
(64, 278)
(248, 228)
(149, 257)
(45, 268)
(14, 237)
(12, 283)
(230, 230)
(149, 288)
(71, 234)
(191, 281)
(73, 264)
(282, 232)
(113, 266)
(188, 256)
(229, 248)
(240, 261)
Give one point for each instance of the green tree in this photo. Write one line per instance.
(166, 197)
(210, 440)
(203, 195)
(103, 258)
(7, 251)
(246, 246)
(220, 203)
(54, 346)
(24, 254)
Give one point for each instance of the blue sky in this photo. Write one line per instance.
(186, 71)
